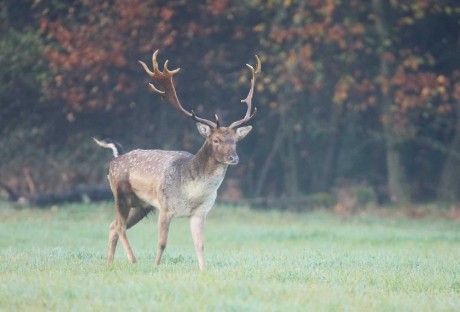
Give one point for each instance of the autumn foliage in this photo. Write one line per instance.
(347, 86)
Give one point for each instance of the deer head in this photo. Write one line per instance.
(220, 141)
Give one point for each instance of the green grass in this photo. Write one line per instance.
(257, 261)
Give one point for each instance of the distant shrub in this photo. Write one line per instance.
(365, 195)
(308, 202)
(320, 200)
(350, 199)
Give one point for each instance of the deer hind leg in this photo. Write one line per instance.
(135, 215)
(118, 227)
(113, 231)
(164, 220)
(122, 218)
(113, 240)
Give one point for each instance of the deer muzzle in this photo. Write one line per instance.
(233, 159)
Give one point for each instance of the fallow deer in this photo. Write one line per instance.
(177, 184)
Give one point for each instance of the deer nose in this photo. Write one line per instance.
(233, 159)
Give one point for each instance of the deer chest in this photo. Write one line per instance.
(198, 192)
(196, 197)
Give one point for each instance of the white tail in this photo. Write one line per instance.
(116, 148)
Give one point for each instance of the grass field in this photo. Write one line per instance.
(257, 261)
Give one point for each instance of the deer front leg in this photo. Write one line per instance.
(197, 228)
(163, 228)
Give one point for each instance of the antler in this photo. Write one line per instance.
(164, 79)
(248, 99)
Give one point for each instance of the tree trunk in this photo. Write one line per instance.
(333, 150)
(395, 170)
(449, 189)
(288, 155)
(268, 163)
(397, 192)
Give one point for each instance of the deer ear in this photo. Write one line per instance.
(243, 131)
(204, 130)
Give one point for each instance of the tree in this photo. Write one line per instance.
(395, 169)
(350, 92)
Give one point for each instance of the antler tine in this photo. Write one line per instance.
(217, 120)
(164, 79)
(172, 72)
(248, 100)
(155, 62)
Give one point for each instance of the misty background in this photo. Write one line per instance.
(358, 101)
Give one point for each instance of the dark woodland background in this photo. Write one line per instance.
(355, 97)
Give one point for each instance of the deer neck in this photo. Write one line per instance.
(203, 164)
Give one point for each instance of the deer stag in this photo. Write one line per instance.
(178, 184)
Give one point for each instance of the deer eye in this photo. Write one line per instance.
(216, 141)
